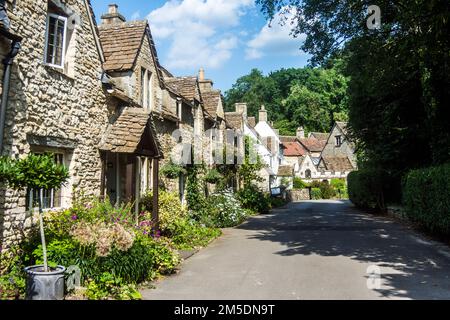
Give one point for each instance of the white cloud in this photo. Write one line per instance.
(195, 30)
(275, 39)
(136, 15)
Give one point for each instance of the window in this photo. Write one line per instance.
(55, 40)
(146, 89)
(52, 198)
(308, 174)
(338, 141)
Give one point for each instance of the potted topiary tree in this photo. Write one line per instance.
(39, 172)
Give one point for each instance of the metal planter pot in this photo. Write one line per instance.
(45, 285)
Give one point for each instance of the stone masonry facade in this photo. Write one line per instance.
(52, 109)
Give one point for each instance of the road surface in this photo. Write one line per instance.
(313, 250)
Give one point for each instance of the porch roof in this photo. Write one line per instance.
(133, 132)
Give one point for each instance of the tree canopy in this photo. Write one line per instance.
(310, 97)
(399, 74)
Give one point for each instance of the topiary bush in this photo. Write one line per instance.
(426, 197)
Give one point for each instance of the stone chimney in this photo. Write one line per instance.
(205, 84)
(113, 16)
(300, 133)
(241, 108)
(263, 114)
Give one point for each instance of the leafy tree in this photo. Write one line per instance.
(36, 172)
(399, 88)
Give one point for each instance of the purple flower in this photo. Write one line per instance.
(74, 217)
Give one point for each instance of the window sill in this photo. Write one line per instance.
(58, 71)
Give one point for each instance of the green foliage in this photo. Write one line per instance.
(299, 184)
(12, 275)
(311, 97)
(426, 198)
(170, 208)
(399, 79)
(195, 195)
(213, 176)
(110, 286)
(316, 194)
(188, 234)
(372, 188)
(326, 190)
(172, 170)
(253, 199)
(223, 210)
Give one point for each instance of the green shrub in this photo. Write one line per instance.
(426, 196)
(223, 210)
(12, 275)
(170, 208)
(338, 184)
(213, 176)
(253, 199)
(172, 170)
(189, 234)
(316, 193)
(300, 184)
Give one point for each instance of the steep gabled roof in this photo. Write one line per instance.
(121, 44)
(211, 101)
(319, 135)
(293, 149)
(343, 126)
(133, 132)
(234, 119)
(340, 164)
(184, 86)
(313, 144)
(288, 139)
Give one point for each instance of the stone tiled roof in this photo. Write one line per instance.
(211, 101)
(184, 86)
(343, 126)
(285, 171)
(313, 144)
(252, 121)
(127, 132)
(234, 119)
(340, 164)
(121, 43)
(319, 135)
(293, 149)
(284, 139)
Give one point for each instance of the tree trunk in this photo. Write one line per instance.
(41, 228)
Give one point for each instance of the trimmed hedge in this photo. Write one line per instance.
(426, 197)
(373, 189)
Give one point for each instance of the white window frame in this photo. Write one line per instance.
(47, 35)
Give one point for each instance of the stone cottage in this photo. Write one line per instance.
(61, 101)
(338, 157)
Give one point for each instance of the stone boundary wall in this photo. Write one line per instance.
(298, 195)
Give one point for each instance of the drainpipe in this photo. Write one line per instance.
(7, 62)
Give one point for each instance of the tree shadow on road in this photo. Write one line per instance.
(411, 268)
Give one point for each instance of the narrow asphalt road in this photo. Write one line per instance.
(313, 250)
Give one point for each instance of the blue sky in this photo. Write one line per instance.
(226, 37)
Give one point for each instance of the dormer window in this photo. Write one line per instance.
(338, 141)
(55, 41)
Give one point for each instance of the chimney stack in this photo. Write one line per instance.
(300, 133)
(113, 16)
(263, 114)
(241, 108)
(204, 84)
